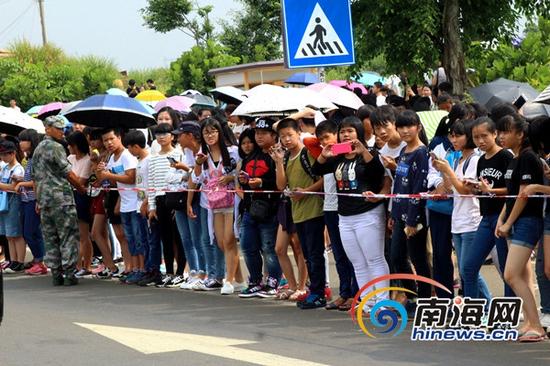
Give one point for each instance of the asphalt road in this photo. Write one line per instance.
(106, 323)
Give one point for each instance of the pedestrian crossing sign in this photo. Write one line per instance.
(317, 33)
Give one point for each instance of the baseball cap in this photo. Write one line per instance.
(265, 123)
(54, 121)
(188, 127)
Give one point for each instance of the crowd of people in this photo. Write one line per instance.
(212, 187)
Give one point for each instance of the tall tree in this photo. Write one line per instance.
(167, 15)
(415, 34)
(255, 33)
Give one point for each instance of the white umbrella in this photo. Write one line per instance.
(191, 92)
(270, 100)
(12, 122)
(228, 94)
(339, 96)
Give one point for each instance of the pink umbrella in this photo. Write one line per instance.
(50, 109)
(339, 96)
(178, 102)
(349, 85)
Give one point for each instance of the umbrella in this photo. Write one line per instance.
(116, 91)
(150, 96)
(68, 106)
(203, 101)
(105, 110)
(12, 122)
(430, 120)
(370, 77)
(228, 94)
(33, 111)
(350, 85)
(532, 110)
(303, 78)
(339, 96)
(503, 90)
(191, 92)
(148, 107)
(50, 109)
(270, 100)
(178, 102)
(543, 97)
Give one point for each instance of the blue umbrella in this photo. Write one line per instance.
(370, 77)
(116, 91)
(105, 110)
(302, 78)
(34, 110)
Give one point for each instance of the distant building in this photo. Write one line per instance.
(5, 53)
(247, 76)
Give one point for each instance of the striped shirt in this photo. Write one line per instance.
(27, 193)
(159, 166)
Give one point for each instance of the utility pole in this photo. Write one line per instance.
(42, 22)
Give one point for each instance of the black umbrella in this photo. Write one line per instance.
(502, 90)
(105, 110)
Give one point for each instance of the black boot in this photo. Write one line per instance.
(57, 277)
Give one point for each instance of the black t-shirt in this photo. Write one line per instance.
(523, 170)
(261, 165)
(354, 176)
(493, 170)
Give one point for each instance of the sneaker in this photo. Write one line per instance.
(189, 283)
(134, 278)
(312, 302)
(57, 278)
(227, 288)
(176, 281)
(5, 264)
(106, 274)
(252, 291)
(545, 320)
(239, 286)
(166, 281)
(151, 279)
(96, 261)
(212, 285)
(15, 267)
(328, 293)
(70, 280)
(37, 269)
(199, 285)
(82, 272)
(270, 289)
(120, 274)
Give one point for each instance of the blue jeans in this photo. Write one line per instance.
(131, 224)
(257, 238)
(214, 258)
(346, 274)
(154, 254)
(542, 280)
(484, 242)
(144, 238)
(465, 247)
(190, 233)
(32, 233)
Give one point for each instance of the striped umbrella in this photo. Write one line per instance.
(543, 97)
(430, 120)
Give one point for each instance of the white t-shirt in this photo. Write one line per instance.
(126, 161)
(155, 148)
(393, 152)
(81, 167)
(142, 180)
(466, 216)
(7, 172)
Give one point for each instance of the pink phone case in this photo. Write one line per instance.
(342, 148)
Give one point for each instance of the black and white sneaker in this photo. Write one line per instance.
(106, 273)
(212, 285)
(151, 279)
(251, 291)
(166, 281)
(177, 280)
(270, 289)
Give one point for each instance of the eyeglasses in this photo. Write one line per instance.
(210, 133)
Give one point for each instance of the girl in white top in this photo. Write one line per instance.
(170, 116)
(219, 162)
(466, 215)
(82, 167)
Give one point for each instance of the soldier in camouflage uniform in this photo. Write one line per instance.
(52, 173)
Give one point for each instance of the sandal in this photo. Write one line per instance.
(284, 294)
(532, 336)
(298, 295)
(346, 306)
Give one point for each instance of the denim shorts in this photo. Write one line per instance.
(10, 222)
(547, 224)
(135, 230)
(527, 231)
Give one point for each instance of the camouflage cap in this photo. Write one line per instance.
(54, 121)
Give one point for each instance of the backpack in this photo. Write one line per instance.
(304, 161)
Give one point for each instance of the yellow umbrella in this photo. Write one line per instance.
(150, 96)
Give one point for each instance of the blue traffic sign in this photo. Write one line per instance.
(317, 33)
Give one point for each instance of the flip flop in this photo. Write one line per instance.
(532, 336)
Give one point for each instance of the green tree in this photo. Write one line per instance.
(161, 76)
(39, 75)
(255, 33)
(190, 71)
(525, 60)
(166, 15)
(415, 34)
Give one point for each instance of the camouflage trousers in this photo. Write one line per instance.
(61, 237)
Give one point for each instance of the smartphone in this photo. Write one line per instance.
(171, 160)
(520, 101)
(245, 174)
(341, 148)
(434, 157)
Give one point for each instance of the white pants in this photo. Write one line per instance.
(363, 240)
